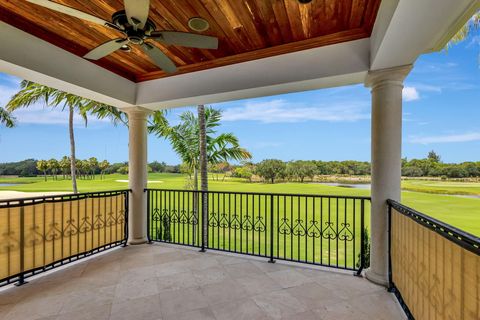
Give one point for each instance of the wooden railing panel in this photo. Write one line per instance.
(434, 277)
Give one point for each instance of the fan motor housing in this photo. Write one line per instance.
(120, 19)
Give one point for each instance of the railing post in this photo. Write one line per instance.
(362, 239)
(203, 229)
(271, 230)
(391, 287)
(126, 194)
(148, 215)
(21, 280)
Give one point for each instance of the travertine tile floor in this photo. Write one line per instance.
(166, 282)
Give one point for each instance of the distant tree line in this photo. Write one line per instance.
(86, 169)
(270, 170)
(432, 166)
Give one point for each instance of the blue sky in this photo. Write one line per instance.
(441, 112)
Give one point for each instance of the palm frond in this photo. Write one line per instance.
(6, 118)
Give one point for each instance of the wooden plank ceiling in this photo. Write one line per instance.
(247, 29)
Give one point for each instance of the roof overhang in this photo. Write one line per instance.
(403, 30)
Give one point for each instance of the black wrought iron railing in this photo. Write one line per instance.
(434, 268)
(313, 229)
(41, 233)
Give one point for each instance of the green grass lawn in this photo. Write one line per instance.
(442, 187)
(463, 213)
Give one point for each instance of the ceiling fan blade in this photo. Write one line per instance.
(159, 58)
(137, 12)
(186, 39)
(105, 49)
(69, 11)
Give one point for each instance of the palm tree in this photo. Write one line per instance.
(6, 118)
(64, 165)
(462, 34)
(93, 166)
(468, 29)
(103, 166)
(202, 137)
(185, 140)
(31, 93)
(42, 165)
(53, 166)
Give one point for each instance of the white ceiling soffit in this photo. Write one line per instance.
(329, 66)
(31, 58)
(405, 29)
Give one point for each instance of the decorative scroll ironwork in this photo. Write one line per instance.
(285, 227)
(247, 223)
(259, 225)
(299, 229)
(213, 220)
(85, 226)
(345, 234)
(34, 237)
(234, 223)
(328, 232)
(54, 233)
(10, 241)
(70, 229)
(110, 219)
(223, 222)
(313, 230)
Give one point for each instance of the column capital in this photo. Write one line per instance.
(137, 112)
(394, 75)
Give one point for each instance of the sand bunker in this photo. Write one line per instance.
(149, 181)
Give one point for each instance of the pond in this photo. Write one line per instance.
(8, 184)
(365, 186)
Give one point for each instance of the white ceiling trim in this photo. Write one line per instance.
(403, 30)
(328, 66)
(31, 58)
(408, 28)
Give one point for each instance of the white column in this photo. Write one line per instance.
(387, 85)
(137, 175)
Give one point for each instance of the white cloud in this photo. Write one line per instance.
(427, 87)
(410, 94)
(452, 138)
(282, 111)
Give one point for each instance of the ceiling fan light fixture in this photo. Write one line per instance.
(198, 24)
(126, 48)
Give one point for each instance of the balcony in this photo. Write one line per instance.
(226, 255)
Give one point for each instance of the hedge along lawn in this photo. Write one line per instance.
(461, 212)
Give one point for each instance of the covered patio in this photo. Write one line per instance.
(265, 48)
(161, 281)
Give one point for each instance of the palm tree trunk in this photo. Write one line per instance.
(203, 171)
(73, 166)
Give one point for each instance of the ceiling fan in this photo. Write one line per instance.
(137, 29)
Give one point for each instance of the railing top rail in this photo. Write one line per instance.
(268, 194)
(460, 237)
(5, 203)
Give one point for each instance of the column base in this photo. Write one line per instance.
(376, 278)
(137, 241)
